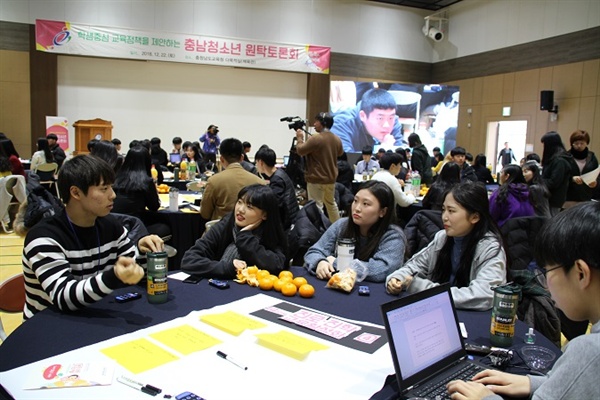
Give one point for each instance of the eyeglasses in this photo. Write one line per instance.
(541, 274)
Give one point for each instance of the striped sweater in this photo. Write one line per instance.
(71, 267)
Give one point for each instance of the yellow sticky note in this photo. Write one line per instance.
(231, 322)
(139, 355)
(289, 344)
(185, 339)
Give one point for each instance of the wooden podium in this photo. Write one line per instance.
(86, 130)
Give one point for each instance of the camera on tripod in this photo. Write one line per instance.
(295, 123)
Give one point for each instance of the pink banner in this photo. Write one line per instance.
(66, 38)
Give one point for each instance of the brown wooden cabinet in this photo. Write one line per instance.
(86, 130)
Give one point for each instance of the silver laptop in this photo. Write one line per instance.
(426, 344)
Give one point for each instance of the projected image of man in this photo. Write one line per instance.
(373, 122)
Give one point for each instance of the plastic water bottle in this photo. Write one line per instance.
(504, 315)
(416, 183)
(192, 170)
(173, 199)
(157, 288)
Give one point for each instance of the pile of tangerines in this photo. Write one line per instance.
(285, 283)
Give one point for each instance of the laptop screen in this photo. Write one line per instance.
(423, 334)
(175, 158)
(286, 160)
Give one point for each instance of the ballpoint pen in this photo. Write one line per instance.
(148, 389)
(231, 360)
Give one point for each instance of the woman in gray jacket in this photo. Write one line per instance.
(468, 253)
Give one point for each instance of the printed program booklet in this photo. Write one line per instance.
(72, 375)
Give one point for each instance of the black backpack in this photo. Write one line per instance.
(310, 225)
(41, 203)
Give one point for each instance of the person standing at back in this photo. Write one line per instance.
(420, 160)
(582, 162)
(222, 189)
(506, 155)
(211, 143)
(321, 153)
(556, 170)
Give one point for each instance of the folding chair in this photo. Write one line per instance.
(12, 191)
(47, 173)
(12, 298)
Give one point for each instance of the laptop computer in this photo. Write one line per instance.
(426, 344)
(286, 160)
(175, 158)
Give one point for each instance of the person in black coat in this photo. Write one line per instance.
(556, 170)
(280, 182)
(483, 173)
(345, 171)
(448, 177)
(420, 160)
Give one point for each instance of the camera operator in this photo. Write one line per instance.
(211, 143)
(321, 152)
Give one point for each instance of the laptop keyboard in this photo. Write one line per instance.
(438, 391)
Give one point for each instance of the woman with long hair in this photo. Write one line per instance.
(468, 253)
(481, 170)
(583, 161)
(538, 192)
(7, 149)
(136, 191)
(193, 153)
(448, 177)
(556, 172)
(378, 240)
(251, 234)
(43, 155)
(511, 199)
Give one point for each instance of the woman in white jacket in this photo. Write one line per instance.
(468, 253)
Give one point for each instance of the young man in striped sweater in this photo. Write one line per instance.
(81, 254)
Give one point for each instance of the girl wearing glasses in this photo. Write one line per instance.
(468, 253)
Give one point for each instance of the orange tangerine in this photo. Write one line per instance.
(306, 290)
(289, 289)
(299, 281)
(262, 273)
(274, 278)
(278, 284)
(285, 273)
(252, 270)
(265, 283)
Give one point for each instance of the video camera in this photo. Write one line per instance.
(295, 123)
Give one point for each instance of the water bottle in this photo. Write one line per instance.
(416, 183)
(192, 170)
(364, 174)
(176, 174)
(157, 277)
(504, 314)
(345, 252)
(173, 199)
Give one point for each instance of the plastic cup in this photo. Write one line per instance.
(537, 358)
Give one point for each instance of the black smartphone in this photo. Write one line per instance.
(363, 291)
(193, 279)
(124, 298)
(218, 283)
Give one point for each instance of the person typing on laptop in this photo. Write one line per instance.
(567, 252)
(468, 253)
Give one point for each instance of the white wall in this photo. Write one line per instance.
(147, 99)
(477, 26)
(347, 26)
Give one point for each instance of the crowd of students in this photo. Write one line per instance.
(83, 253)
